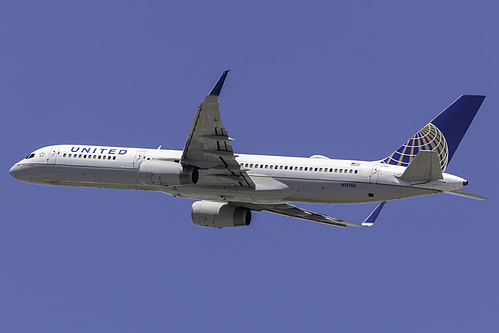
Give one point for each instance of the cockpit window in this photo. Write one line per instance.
(30, 156)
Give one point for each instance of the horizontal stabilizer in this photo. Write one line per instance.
(424, 167)
(466, 194)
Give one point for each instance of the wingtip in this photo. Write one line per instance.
(374, 215)
(217, 88)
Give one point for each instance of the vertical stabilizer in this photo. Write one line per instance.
(442, 135)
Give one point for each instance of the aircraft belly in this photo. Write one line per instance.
(267, 190)
(338, 192)
(215, 193)
(270, 190)
(85, 177)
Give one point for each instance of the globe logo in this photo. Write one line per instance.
(428, 138)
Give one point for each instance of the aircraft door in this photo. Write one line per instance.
(52, 156)
(138, 159)
(373, 177)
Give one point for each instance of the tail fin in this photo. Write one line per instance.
(443, 134)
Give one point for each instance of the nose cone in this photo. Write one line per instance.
(22, 172)
(15, 171)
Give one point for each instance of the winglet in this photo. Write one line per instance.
(374, 215)
(218, 86)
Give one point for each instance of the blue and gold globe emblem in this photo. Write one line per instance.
(428, 138)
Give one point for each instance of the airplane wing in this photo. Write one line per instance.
(209, 148)
(304, 214)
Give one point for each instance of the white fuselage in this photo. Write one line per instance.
(277, 179)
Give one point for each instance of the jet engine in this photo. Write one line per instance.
(219, 214)
(164, 173)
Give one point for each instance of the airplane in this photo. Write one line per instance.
(229, 186)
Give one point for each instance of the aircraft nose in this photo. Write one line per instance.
(14, 171)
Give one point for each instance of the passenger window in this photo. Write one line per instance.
(306, 168)
(350, 171)
(301, 168)
(69, 155)
(315, 169)
(341, 170)
(335, 170)
(356, 171)
(266, 166)
(251, 165)
(79, 156)
(95, 156)
(261, 166)
(114, 157)
(109, 157)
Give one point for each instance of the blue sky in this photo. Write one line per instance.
(344, 79)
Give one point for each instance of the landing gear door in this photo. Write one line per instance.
(373, 177)
(138, 158)
(52, 156)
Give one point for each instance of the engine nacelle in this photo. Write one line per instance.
(219, 214)
(164, 173)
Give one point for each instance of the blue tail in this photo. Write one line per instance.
(443, 134)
